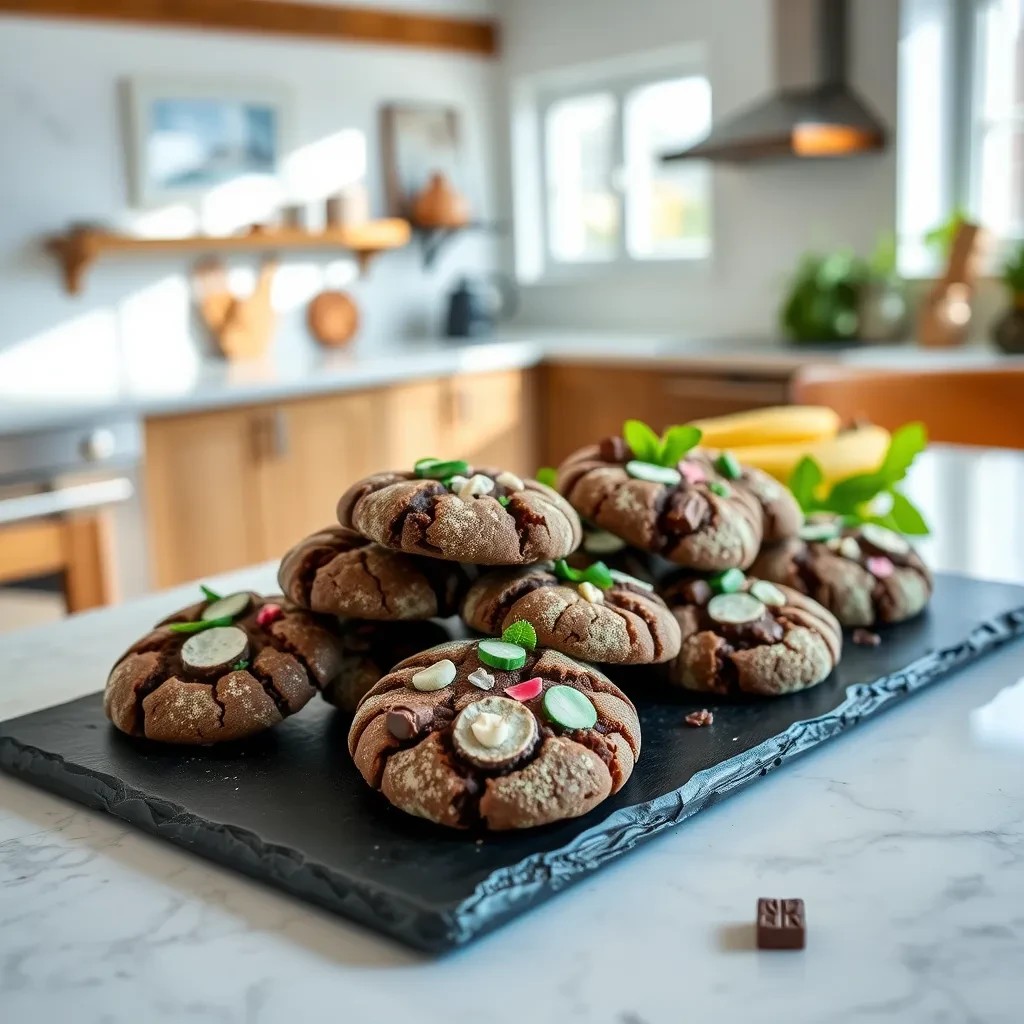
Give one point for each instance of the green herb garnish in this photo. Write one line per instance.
(198, 627)
(240, 665)
(598, 574)
(521, 633)
(854, 497)
(211, 595)
(722, 490)
(546, 475)
(435, 469)
(666, 450)
(503, 500)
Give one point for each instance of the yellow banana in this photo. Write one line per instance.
(778, 424)
(855, 451)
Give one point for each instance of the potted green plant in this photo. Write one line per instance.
(1008, 332)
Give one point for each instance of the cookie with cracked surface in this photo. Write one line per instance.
(761, 639)
(481, 517)
(690, 515)
(336, 571)
(368, 651)
(241, 675)
(782, 517)
(626, 624)
(865, 575)
(448, 737)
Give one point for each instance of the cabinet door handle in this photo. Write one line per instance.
(278, 433)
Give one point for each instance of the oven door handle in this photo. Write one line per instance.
(68, 499)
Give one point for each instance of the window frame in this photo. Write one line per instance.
(533, 98)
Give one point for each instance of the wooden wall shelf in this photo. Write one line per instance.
(79, 248)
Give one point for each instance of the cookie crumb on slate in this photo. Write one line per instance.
(866, 638)
(699, 718)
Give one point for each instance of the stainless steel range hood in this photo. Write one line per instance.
(813, 112)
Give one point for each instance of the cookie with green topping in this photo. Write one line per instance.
(336, 571)
(866, 575)
(597, 614)
(457, 512)
(686, 512)
(220, 670)
(743, 635)
(450, 736)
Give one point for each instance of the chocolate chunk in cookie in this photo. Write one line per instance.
(203, 676)
(336, 571)
(690, 514)
(752, 638)
(623, 623)
(472, 515)
(865, 575)
(494, 748)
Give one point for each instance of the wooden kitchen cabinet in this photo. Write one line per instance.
(583, 403)
(229, 488)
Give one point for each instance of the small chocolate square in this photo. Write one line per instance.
(781, 924)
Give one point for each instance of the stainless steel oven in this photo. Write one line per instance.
(72, 532)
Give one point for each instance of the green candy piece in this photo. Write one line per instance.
(547, 475)
(728, 581)
(722, 490)
(504, 500)
(198, 627)
(431, 469)
(567, 707)
(501, 655)
(520, 633)
(598, 574)
(229, 607)
(653, 474)
(728, 465)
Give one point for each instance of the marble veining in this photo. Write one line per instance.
(905, 839)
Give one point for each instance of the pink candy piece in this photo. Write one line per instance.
(267, 614)
(527, 690)
(879, 567)
(693, 472)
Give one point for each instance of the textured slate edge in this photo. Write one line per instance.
(511, 891)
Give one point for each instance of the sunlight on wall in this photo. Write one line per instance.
(175, 221)
(321, 168)
(154, 326)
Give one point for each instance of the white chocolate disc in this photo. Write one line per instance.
(735, 609)
(884, 539)
(501, 742)
(435, 677)
(219, 647)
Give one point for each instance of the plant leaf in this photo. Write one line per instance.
(848, 495)
(522, 633)
(804, 482)
(643, 442)
(676, 442)
(907, 443)
(211, 595)
(907, 516)
(546, 475)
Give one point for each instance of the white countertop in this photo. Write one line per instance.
(905, 839)
(53, 399)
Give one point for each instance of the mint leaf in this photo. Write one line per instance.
(546, 475)
(521, 633)
(907, 516)
(599, 574)
(907, 443)
(564, 571)
(198, 627)
(211, 595)
(240, 666)
(643, 442)
(804, 482)
(676, 442)
(848, 495)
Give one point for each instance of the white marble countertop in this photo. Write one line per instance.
(905, 839)
(161, 389)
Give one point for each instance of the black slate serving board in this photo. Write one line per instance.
(289, 808)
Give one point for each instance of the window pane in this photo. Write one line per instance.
(1001, 181)
(667, 204)
(1001, 35)
(583, 209)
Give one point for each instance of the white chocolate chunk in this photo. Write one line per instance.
(435, 677)
(591, 593)
(476, 484)
(509, 480)
(849, 548)
(457, 482)
(490, 729)
(481, 679)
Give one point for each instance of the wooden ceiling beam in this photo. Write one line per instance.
(276, 17)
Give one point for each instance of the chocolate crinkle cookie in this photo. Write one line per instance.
(617, 619)
(690, 514)
(754, 638)
(865, 575)
(336, 571)
(369, 650)
(451, 736)
(221, 670)
(453, 511)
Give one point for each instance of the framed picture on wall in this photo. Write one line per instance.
(186, 138)
(417, 142)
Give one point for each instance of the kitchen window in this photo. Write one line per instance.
(604, 198)
(961, 141)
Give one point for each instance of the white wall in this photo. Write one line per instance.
(62, 160)
(765, 215)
